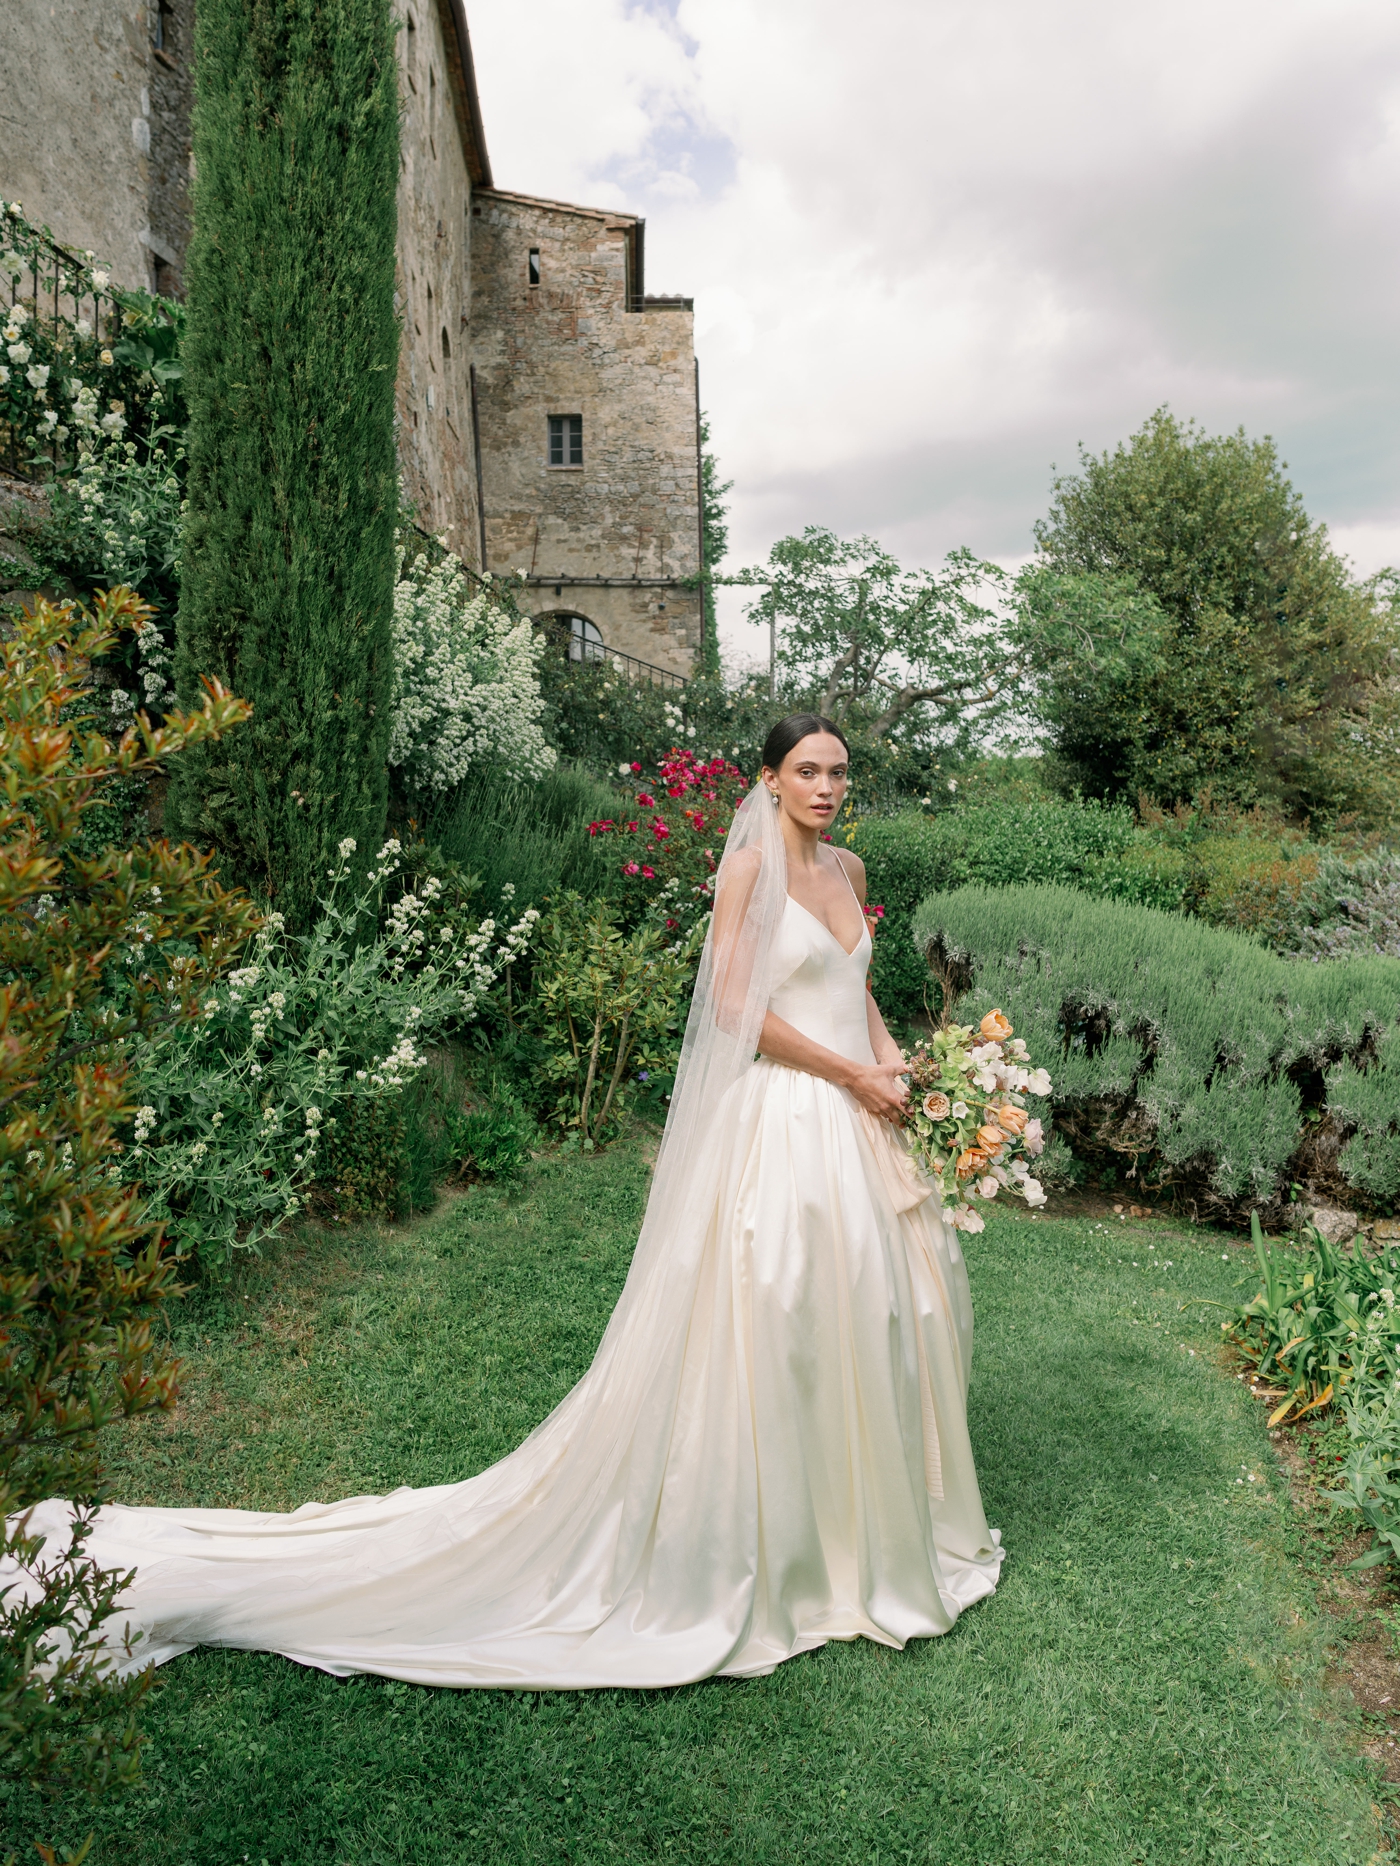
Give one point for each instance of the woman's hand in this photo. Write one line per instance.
(879, 1091)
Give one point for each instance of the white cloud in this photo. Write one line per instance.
(935, 246)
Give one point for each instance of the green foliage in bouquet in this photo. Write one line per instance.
(1179, 1051)
(610, 1006)
(98, 952)
(968, 1119)
(288, 571)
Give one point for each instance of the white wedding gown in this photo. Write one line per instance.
(789, 1465)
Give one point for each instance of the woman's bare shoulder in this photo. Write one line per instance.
(742, 864)
(855, 869)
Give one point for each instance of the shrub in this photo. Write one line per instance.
(1184, 1050)
(1324, 1330)
(667, 840)
(1014, 838)
(1190, 626)
(534, 836)
(1350, 905)
(466, 685)
(81, 361)
(288, 561)
(97, 952)
(240, 1102)
(610, 1007)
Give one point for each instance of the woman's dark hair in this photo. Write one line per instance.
(789, 731)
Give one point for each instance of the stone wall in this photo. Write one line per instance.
(76, 126)
(612, 539)
(434, 270)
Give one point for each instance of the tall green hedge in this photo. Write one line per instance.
(1006, 840)
(291, 356)
(1214, 1060)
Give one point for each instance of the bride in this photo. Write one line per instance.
(770, 1449)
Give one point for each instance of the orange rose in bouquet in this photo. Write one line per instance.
(968, 1123)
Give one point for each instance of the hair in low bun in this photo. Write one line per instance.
(790, 731)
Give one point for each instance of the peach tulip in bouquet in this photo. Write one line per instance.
(967, 1118)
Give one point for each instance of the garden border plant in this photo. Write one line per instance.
(1188, 1054)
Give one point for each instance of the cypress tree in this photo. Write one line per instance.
(287, 584)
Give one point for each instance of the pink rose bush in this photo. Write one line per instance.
(669, 845)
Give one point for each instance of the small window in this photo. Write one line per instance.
(585, 640)
(566, 440)
(534, 265)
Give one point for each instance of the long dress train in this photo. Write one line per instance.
(787, 1464)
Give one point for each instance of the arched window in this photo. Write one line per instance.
(585, 639)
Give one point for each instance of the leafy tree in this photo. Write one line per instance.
(1191, 627)
(94, 949)
(714, 536)
(292, 345)
(883, 650)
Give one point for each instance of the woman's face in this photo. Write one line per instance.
(811, 781)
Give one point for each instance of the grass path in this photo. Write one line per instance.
(1146, 1686)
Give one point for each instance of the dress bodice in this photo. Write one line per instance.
(820, 988)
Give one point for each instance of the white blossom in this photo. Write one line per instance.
(465, 683)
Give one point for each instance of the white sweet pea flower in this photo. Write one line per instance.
(1034, 1138)
(1038, 1082)
(1033, 1191)
(988, 1187)
(959, 1111)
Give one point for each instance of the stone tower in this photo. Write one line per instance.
(547, 406)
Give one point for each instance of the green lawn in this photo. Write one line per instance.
(1146, 1686)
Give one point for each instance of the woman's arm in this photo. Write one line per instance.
(876, 1086)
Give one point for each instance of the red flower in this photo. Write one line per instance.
(670, 924)
(632, 830)
(878, 912)
(631, 869)
(647, 803)
(601, 828)
(648, 874)
(637, 768)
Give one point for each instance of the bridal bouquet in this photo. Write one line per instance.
(967, 1116)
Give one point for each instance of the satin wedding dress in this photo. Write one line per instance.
(769, 1451)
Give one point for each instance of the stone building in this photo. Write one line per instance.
(547, 405)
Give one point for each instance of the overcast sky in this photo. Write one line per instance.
(936, 244)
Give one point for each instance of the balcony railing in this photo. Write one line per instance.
(79, 359)
(629, 664)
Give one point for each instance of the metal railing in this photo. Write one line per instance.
(82, 360)
(67, 317)
(629, 664)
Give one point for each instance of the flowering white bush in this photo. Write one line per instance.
(236, 1105)
(466, 681)
(120, 516)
